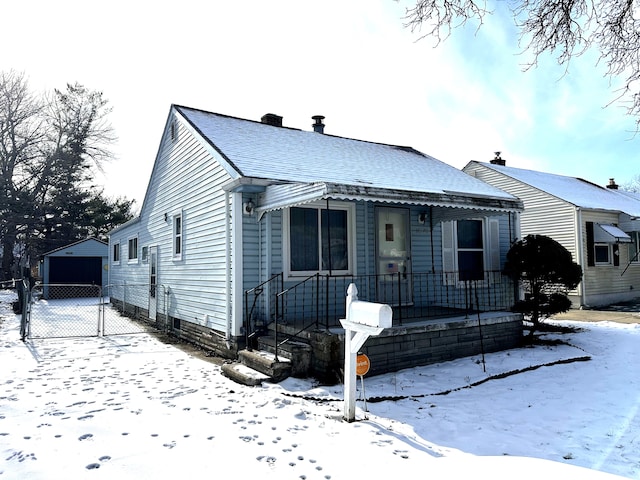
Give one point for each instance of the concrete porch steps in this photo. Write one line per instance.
(257, 366)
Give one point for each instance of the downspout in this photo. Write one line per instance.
(433, 252)
(268, 264)
(328, 239)
(367, 267)
(236, 274)
(580, 255)
(227, 227)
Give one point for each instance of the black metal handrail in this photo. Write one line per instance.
(273, 287)
(411, 295)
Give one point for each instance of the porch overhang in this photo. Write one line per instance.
(276, 197)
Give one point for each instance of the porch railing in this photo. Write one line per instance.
(261, 305)
(319, 300)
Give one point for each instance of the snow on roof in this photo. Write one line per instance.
(264, 151)
(74, 244)
(576, 191)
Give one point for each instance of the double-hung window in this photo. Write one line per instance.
(133, 250)
(318, 239)
(115, 253)
(178, 228)
(470, 247)
(470, 250)
(602, 253)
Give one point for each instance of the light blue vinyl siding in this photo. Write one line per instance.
(186, 179)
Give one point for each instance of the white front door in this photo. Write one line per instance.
(394, 256)
(153, 282)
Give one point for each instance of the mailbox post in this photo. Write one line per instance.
(364, 319)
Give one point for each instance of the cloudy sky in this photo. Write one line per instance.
(353, 62)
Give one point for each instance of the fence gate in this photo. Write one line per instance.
(64, 310)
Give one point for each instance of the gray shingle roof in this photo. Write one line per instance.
(576, 191)
(263, 151)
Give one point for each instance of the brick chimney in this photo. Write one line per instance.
(498, 160)
(272, 119)
(318, 126)
(612, 184)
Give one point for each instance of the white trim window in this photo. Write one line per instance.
(318, 239)
(132, 250)
(115, 253)
(470, 250)
(177, 236)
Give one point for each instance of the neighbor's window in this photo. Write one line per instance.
(133, 249)
(602, 253)
(319, 239)
(115, 253)
(177, 236)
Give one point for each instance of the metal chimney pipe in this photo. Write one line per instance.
(318, 126)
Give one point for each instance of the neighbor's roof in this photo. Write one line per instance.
(576, 191)
(288, 155)
(76, 243)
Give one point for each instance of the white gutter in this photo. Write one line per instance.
(580, 255)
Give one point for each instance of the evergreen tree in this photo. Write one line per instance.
(546, 271)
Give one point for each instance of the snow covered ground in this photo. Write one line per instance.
(132, 407)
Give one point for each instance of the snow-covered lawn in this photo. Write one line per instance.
(132, 407)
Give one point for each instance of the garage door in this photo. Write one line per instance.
(79, 270)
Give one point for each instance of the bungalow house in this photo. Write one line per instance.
(251, 229)
(599, 225)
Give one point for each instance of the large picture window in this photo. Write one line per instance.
(318, 240)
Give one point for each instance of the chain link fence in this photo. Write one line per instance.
(67, 310)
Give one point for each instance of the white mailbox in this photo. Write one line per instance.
(371, 314)
(363, 320)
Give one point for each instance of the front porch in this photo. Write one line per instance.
(437, 316)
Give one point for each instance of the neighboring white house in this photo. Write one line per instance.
(246, 223)
(599, 225)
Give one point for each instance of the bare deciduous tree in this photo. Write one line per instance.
(20, 137)
(563, 28)
(49, 151)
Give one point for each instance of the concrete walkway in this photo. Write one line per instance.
(628, 312)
